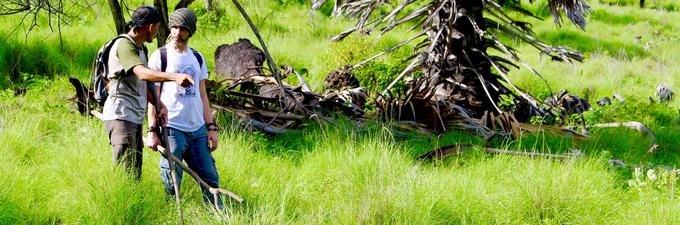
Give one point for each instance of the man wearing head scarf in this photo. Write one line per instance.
(192, 129)
(124, 109)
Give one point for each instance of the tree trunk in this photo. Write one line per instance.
(642, 3)
(183, 4)
(458, 56)
(163, 31)
(118, 19)
(208, 5)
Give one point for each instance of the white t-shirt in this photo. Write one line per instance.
(185, 107)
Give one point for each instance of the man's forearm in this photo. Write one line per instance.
(207, 112)
(151, 115)
(150, 75)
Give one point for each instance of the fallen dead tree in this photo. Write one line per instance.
(459, 149)
(262, 104)
(454, 93)
(260, 98)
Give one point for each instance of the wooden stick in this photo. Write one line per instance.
(97, 114)
(459, 149)
(552, 129)
(175, 184)
(214, 191)
(163, 135)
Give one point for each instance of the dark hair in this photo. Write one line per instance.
(144, 15)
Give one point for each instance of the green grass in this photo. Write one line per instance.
(57, 166)
(668, 5)
(58, 169)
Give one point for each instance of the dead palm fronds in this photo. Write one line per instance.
(454, 36)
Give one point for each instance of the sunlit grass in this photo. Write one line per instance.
(57, 165)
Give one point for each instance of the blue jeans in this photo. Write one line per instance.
(192, 147)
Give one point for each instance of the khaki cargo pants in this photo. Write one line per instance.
(126, 142)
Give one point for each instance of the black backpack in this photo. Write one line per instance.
(100, 69)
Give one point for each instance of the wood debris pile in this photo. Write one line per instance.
(252, 93)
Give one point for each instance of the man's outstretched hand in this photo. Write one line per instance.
(183, 79)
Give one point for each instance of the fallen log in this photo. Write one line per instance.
(252, 113)
(558, 130)
(253, 96)
(266, 127)
(459, 149)
(635, 126)
(267, 114)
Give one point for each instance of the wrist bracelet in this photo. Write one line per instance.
(211, 126)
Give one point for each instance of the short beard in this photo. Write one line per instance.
(178, 39)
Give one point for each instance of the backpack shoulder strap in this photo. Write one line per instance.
(164, 62)
(164, 58)
(107, 50)
(129, 38)
(198, 57)
(146, 51)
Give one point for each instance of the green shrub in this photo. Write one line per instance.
(350, 50)
(375, 76)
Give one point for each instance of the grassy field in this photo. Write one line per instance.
(57, 166)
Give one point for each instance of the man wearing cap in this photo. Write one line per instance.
(123, 112)
(192, 129)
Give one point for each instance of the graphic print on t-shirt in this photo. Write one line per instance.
(189, 91)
